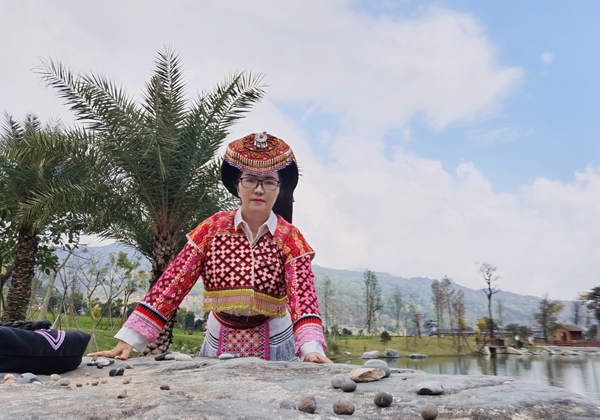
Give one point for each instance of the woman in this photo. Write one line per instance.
(255, 265)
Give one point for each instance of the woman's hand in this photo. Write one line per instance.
(315, 357)
(122, 350)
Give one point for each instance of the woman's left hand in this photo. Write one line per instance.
(315, 357)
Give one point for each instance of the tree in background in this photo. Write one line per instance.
(326, 300)
(500, 313)
(373, 302)
(576, 309)
(547, 315)
(439, 299)
(152, 167)
(591, 300)
(458, 312)
(486, 270)
(34, 164)
(385, 337)
(447, 290)
(397, 303)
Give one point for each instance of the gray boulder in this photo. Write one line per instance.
(370, 354)
(391, 353)
(417, 356)
(245, 388)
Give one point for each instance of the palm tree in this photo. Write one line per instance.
(152, 163)
(33, 164)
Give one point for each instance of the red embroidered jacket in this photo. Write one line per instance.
(273, 275)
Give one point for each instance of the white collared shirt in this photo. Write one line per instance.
(269, 226)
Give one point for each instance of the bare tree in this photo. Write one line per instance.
(458, 312)
(487, 270)
(438, 298)
(500, 313)
(326, 300)
(447, 293)
(373, 302)
(576, 309)
(398, 304)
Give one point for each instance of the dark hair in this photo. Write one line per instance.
(288, 178)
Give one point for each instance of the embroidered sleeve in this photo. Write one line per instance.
(302, 302)
(159, 304)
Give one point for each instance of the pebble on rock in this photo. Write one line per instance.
(128, 367)
(366, 374)
(165, 387)
(429, 411)
(123, 394)
(183, 358)
(226, 356)
(87, 374)
(338, 380)
(126, 381)
(429, 388)
(78, 385)
(63, 382)
(103, 381)
(383, 399)
(348, 386)
(308, 404)
(343, 407)
(95, 383)
(9, 377)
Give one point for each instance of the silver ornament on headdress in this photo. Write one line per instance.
(260, 140)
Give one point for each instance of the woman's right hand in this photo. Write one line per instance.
(122, 350)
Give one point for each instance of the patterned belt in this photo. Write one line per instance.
(241, 322)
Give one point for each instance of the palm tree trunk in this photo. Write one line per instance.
(19, 292)
(164, 254)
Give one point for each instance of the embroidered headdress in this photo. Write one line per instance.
(262, 154)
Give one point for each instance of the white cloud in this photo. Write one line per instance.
(546, 57)
(399, 213)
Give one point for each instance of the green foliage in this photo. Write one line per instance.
(332, 345)
(346, 331)
(547, 314)
(385, 338)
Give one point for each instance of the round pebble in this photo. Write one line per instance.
(383, 399)
(308, 404)
(78, 385)
(165, 387)
(348, 386)
(87, 374)
(9, 377)
(103, 381)
(95, 383)
(112, 372)
(55, 377)
(343, 407)
(126, 381)
(123, 394)
(128, 367)
(338, 380)
(429, 411)
(63, 382)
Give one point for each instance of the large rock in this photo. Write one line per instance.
(417, 356)
(245, 388)
(391, 353)
(370, 354)
(367, 374)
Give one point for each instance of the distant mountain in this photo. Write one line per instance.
(348, 295)
(349, 291)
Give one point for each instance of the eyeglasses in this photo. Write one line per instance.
(268, 184)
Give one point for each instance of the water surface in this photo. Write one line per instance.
(580, 374)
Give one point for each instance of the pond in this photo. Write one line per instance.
(580, 374)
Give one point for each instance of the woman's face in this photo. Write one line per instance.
(260, 197)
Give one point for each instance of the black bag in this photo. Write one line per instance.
(40, 351)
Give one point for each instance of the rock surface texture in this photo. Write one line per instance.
(250, 388)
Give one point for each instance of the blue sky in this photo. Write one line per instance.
(431, 135)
